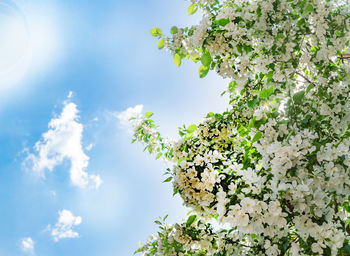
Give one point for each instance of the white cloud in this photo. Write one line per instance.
(64, 225)
(125, 115)
(63, 141)
(28, 245)
(89, 147)
(70, 95)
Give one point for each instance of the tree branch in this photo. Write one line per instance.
(306, 78)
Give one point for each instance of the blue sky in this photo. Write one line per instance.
(102, 52)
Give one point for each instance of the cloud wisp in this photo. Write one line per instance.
(125, 116)
(27, 245)
(64, 226)
(63, 141)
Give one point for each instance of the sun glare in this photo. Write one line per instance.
(29, 43)
(14, 43)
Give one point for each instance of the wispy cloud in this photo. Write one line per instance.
(28, 245)
(62, 141)
(70, 95)
(89, 147)
(64, 225)
(124, 116)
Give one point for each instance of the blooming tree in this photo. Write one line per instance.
(274, 168)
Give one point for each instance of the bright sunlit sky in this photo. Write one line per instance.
(77, 65)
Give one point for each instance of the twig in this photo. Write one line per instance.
(344, 56)
(306, 78)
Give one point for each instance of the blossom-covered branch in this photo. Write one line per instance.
(275, 166)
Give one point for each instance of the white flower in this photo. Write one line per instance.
(248, 205)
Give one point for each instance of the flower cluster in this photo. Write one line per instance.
(197, 238)
(275, 166)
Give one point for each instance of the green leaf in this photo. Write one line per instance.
(156, 32)
(159, 155)
(279, 35)
(210, 114)
(148, 114)
(239, 48)
(253, 236)
(206, 59)
(346, 206)
(284, 245)
(175, 191)
(252, 103)
(188, 136)
(232, 86)
(346, 249)
(195, 58)
(252, 122)
(257, 137)
(158, 222)
(258, 11)
(161, 43)
(174, 30)
(298, 97)
(301, 21)
(347, 223)
(177, 59)
(309, 88)
(190, 220)
(264, 94)
(309, 9)
(139, 250)
(247, 48)
(191, 128)
(203, 71)
(222, 22)
(192, 9)
(168, 179)
(327, 252)
(181, 54)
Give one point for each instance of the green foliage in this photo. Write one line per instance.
(190, 220)
(206, 59)
(192, 9)
(161, 43)
(148, 114)
(174, 30)
(345, 250)
(298, 97)
(191, 128)
(309, 9)
(203, 71)
(257, 137)
(266, 93)
(177, 60)
(283, 143)
(195, 58)
(232, 86)
(168, 179)
(222, 22)
(156, 32)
